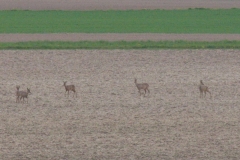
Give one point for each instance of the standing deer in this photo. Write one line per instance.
(203, 88)
(23, 94)
(142, 86)
(69, 88)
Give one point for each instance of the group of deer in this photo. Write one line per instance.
(144, 86)
(20, 95)
(140, 86)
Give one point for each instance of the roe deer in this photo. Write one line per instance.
(17, 94)
(23, 94)
(203, 88)
(69, 88)
(142, 86)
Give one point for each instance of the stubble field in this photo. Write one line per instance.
(108, 119)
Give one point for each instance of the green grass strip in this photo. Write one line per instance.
(120, 45)
(131, 21)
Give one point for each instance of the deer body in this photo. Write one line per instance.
(69, 88)
(203, 89)
(141, 86)
(23, 94)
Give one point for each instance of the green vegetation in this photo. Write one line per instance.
(122, 45)
(130, 21)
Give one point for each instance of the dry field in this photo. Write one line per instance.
(108, 119)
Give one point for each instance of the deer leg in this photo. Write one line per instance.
(75, 93)
(139, 92)
(66, 93)
(144, 92)
(209, 93)
(148, 91)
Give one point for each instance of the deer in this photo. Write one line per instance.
(69, 88)
(203, 88)
(141, 86)
(23, 94)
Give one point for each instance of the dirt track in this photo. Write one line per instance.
(120, 5)
(115, 37)
(115, 4)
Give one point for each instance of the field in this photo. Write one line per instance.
(108, 119)
(132, 21)
(147, 28)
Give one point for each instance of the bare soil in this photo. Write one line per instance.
(115, 5)
(115, 37)
(108, 119)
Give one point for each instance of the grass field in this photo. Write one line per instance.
(130, 21)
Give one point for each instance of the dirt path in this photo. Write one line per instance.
(115, 37)
(114, 4)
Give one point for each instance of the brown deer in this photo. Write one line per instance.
(69, 88)
(23, 94)
(203, 88)
(142, 86)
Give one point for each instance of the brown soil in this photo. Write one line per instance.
(114, 4)
(119, 5)
(115, 37)
(108, 119)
